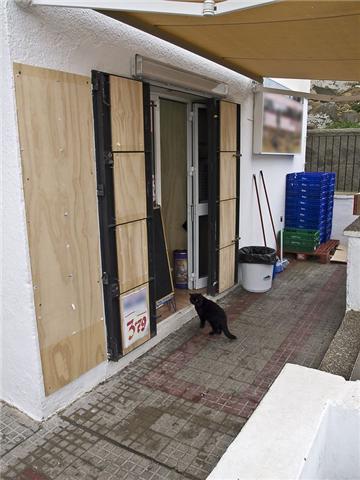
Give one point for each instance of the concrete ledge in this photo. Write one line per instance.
(355, 374)
(278, 439)
(343, 351)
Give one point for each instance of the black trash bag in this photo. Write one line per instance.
(262, 255)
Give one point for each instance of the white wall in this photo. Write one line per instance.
(79, 41)
(21, 374)
(334, 454)
(353, 270)
(275, 168)
(342, 216)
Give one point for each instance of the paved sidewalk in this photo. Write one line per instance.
(172, 413)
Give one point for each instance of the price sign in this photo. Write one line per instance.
(135, 323)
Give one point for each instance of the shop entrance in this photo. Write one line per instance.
(181, 165)
(167, 181)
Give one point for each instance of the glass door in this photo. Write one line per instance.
(200, 196)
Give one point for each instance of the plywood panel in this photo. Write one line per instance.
(228, 121)
(62, 361)
(226, 268)
(227, 175)
(129, 187)
(56, 137)
(132, 251)
(227, 222)
(173, 135)
(127, 116)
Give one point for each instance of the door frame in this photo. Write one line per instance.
(155, 97)
(214, 122)
(196, 206)
(106, 208)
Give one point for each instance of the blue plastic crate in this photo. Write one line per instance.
(319, 217)
(311, 211)
(305, 202)
(306, 196)
(299, 223)
(307, 176)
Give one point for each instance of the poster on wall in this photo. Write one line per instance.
(277, 124)
(135, 324)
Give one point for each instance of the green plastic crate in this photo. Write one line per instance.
(301, 240)
(301, 234)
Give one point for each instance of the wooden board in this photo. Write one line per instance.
(226, 267)
(173, 135)
(132, 253)
(56, 137)
(127, 116)
(228, 122)
(228, 163)
(227, 194)
(340, 255)
(227, 222)
(164, 286)
(129, 187)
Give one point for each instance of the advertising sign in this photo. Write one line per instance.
(135, 325)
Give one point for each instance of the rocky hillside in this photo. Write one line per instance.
(331, 114)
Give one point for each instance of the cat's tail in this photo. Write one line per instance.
(228, 334)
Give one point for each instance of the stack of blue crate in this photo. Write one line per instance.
(310, 201)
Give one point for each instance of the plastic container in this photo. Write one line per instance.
(181, 268)
(257, 267)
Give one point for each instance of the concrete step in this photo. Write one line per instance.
(342, 356)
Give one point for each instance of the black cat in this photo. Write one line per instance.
(211, 312)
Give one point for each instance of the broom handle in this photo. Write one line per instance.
(261, 217)
(268, 204)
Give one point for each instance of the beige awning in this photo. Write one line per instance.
(290, 39)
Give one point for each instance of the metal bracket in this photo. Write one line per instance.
(109, 159)
(198, 9)
(95, 85)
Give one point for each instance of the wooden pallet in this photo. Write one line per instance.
(323, 252)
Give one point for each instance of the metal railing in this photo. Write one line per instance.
(336, 151)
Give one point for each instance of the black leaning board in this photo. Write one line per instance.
(163, 283)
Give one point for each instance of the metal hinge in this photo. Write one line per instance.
(114, 288)
(191, 171)
(109, 159)
(105, 278)
(100, 191)
(191, 116)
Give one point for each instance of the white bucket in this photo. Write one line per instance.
(256, 277)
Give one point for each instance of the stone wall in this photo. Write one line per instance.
(324, 114)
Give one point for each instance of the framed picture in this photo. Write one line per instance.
(277, 124)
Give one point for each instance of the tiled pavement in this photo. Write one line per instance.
(173, 412)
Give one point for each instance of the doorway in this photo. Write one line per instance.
(129, 188)
(180, 161)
